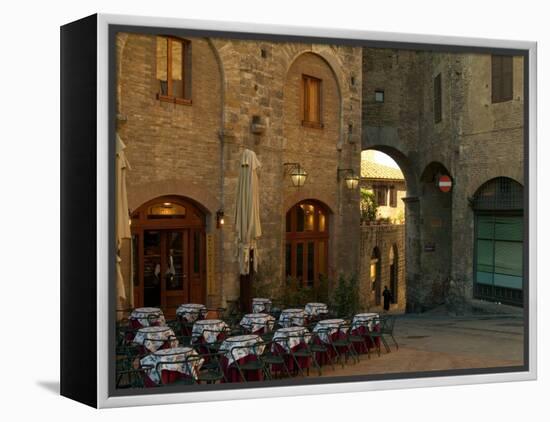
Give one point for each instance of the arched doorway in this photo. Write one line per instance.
(498, 257)
(307, 238)
(168, 237)
(375, 275)
(394, 273)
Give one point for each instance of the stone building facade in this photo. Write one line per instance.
(439, 116)
(241, 94)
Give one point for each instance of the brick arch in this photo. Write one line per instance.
(333, 63)
(304, 194)
(141, 193)
(492, 172)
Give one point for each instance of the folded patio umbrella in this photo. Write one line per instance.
(247, 211)
(122, 218)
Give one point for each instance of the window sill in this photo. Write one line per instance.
(174, 100)
(314, 125)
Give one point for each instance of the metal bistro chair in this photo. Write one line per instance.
(214, 347)
(275, 358)
(251, 365)
(318, 346)
(359, 339)
(342, 341)
(131, 378)
(387, 328)
(185, 380)
(373, 335)
(211, 371)
(303, 352)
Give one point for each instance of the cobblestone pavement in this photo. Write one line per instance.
(428, 343)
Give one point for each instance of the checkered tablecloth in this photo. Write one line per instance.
(316, 308)
(146, 315)
(153, 338)
(191, 311)
(290, 317)
(176, 359)
(208, 329)
(238, 347)
(255, 322)
(260, 304)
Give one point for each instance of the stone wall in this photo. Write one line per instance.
(474, 142)
(245, 94)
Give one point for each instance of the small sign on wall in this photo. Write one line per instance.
(429, 247)
(210, 268)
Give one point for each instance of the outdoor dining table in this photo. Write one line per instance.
(363, 323)
(176, 365)
(315, 309)
(190, 312)
(208, 330)
(260, 304)
(242, 348)
(144, 317)
(328, 330)
(287, 340)
(292, 317)
(155, 337)
(257, 323)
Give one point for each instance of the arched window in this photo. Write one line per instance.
(306, 250)
(394, 273)
(498, 258)
(375, 274)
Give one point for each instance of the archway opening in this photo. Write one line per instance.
(498, 249)
(385, 195)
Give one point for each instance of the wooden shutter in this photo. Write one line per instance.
(507, 78)
(437, 98)
(502, 81)
(393, 197)
(311, 100)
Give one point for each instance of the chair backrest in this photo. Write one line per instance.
(165, 366)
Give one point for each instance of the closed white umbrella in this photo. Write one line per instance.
(122, 218)
(247, 211)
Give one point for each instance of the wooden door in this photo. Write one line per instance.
(169, 254)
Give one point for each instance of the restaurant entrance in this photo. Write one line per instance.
(168, 236)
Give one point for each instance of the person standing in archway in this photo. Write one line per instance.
(387, 298)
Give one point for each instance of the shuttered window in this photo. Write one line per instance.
(311, 98)
(437, 99)
(501, 78)
(393, 197)
(381, 195)
(173, 70)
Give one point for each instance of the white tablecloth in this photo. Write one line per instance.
(145, 315)
(290, 317)
(290, 337)
(176, 354)
(316, 308)
(260, 304)
(209, 329)
(191, 311)
(255, 322)
(327, 327)
(152, 338)
(366, 319)
(251, 343)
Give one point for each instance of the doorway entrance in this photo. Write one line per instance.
(168, 236)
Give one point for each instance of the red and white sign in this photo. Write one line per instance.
(444, 183)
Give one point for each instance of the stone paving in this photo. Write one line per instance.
(428, 343)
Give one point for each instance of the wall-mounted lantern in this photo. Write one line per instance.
(220, 221)
(298, 175)
(351, 179)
